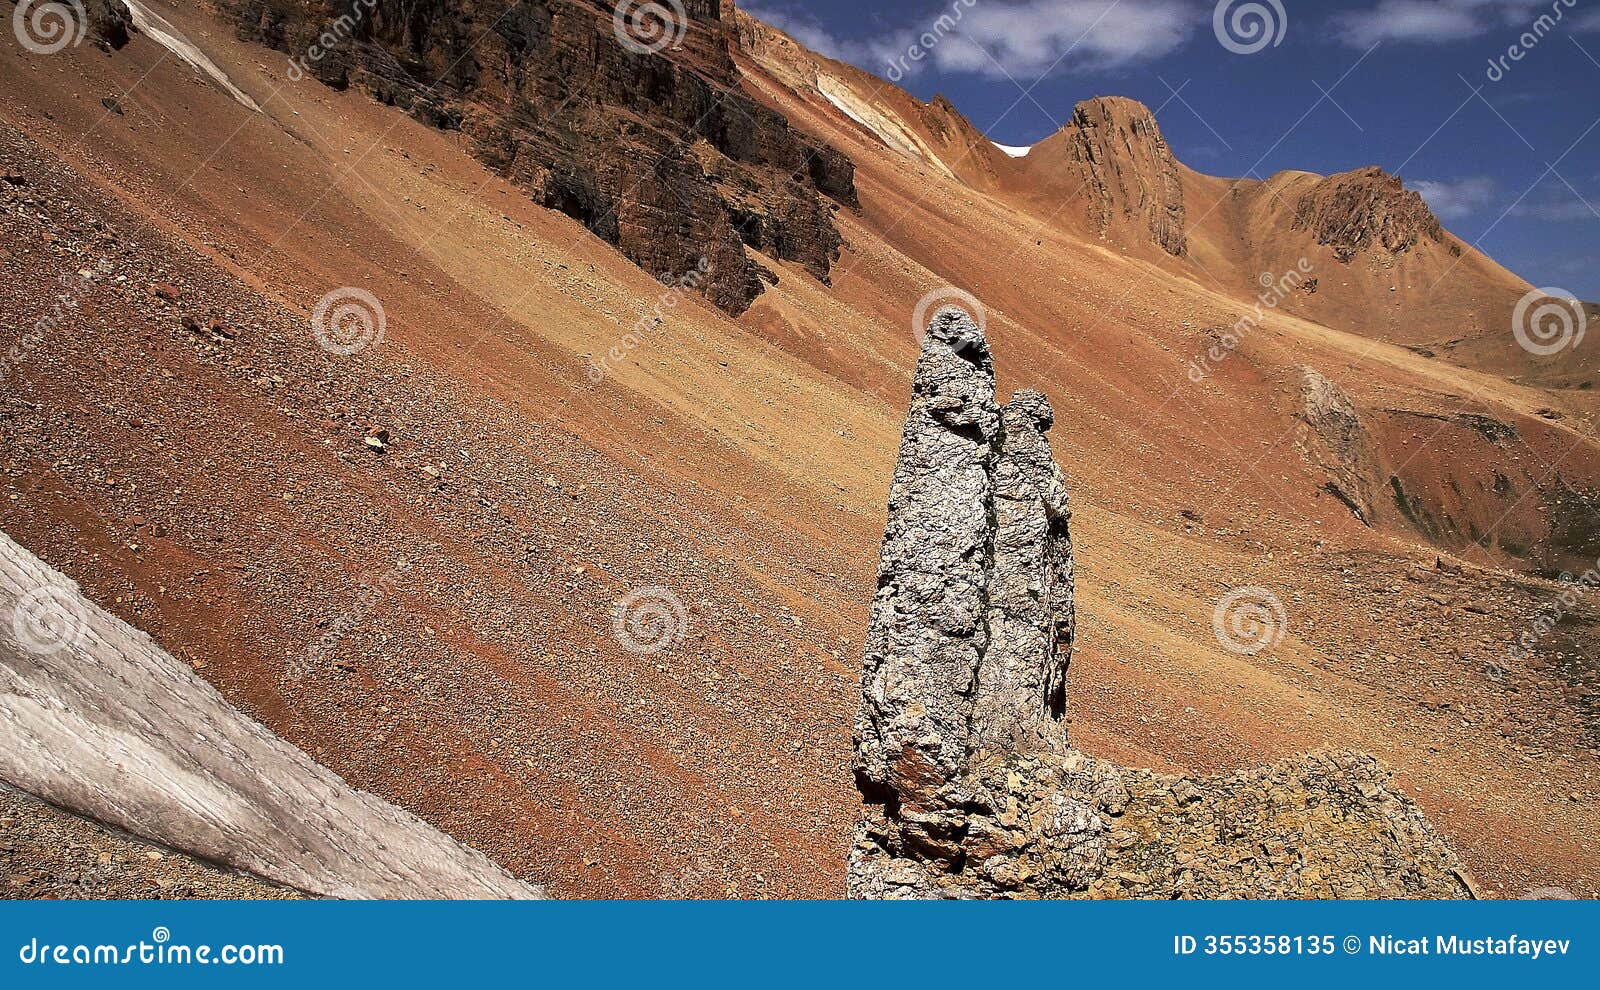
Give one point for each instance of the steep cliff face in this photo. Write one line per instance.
(638, 130)
(785, 58)
(970, 786)
(1111, 155)
(933, 133)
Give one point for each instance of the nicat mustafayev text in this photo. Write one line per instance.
(1456, 945)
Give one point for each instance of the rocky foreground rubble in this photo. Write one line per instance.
(51, 854)
(970, 785)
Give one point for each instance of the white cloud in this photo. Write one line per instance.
(1408, 20)
(1455, 200)
(1443, 21)
(1023, 40)
(1560, 208)
(804, 28)
(1029, 39)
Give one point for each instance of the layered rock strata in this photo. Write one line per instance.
(634, 125)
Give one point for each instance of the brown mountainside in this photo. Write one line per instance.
(408, 558)
(664, 157)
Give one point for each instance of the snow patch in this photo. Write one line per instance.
(158, 29)
(1012, 150)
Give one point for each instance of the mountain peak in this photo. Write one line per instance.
(1364, 208)
(1114, 106)
(1113, 150)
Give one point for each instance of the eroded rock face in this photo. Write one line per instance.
(1070, 826)
(1334, 438)
(1126, 170)
(1366, 209)
(657, 152)
(971, 626)
(969, 784)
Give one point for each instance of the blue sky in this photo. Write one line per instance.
(1507, 154)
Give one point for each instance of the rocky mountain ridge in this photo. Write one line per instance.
(1366, 209)
(652, 145)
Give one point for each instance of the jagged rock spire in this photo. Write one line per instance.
(970, 787)
(1022, 680)
(971, 628)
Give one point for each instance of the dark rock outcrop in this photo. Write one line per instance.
(656, 150)
(969, 785)
(1366, 209)
(109, 22)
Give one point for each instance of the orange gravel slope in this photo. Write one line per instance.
(436, 621)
